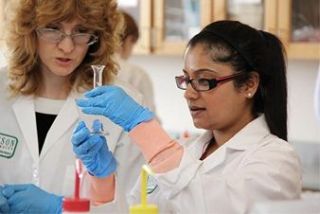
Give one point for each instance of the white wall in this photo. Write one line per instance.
(2, 58)
(303, 124)
(173, 112)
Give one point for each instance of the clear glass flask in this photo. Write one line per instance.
(97, 81)
(97, 75)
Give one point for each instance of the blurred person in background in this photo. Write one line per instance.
(129, 72)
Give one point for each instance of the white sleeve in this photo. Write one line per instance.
(266, 175)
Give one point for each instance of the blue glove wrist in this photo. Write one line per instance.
(144, 116)
(107, 166)
(113, 103)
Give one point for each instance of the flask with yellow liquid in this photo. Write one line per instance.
(144, 207)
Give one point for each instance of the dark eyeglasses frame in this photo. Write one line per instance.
(41, 31)
(213, 83)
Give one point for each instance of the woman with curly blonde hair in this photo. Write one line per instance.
(51, 47)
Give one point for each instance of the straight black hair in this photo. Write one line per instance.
(250, 50)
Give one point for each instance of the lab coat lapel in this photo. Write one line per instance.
(24, 111)
(66, 118)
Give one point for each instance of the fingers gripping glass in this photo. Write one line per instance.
(203, 84)
(56, 36)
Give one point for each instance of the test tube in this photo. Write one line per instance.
(97, 75)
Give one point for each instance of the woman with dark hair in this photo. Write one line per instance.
(234, 78)
(52, 45)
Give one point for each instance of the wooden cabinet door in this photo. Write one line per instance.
(141, 11)
(175, 22)
(295, 22)
(167, 25)
(299, 28)
(251, 12)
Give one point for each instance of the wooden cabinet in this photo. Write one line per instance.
(141, 11)
(167, 25)
(295, 22)
(299, 28)
(251, 12)
(175, 22)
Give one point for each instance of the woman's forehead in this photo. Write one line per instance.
(55, 13)
(198, 56)
(199, 60)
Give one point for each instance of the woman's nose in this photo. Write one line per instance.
(190, 92)
(66, 44)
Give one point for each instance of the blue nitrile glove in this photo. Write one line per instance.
(115, 104)
(93, 151)
(28, 198)
(4, 206)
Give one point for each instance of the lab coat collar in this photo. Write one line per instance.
(252, 134)
(66, 118)
(202, 140)
(24, 111)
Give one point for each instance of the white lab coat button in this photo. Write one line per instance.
(35, 175)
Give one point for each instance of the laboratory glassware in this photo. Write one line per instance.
(97, 75)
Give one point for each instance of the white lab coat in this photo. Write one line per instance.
(139, 79)
(252, 166)
(53, 170)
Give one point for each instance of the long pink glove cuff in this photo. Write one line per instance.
(160, 151)
(102, 189)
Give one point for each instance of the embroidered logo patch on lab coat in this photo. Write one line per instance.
(8, 145)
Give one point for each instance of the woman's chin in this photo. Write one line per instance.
(198, 124)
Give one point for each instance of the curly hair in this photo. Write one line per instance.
(99, 16)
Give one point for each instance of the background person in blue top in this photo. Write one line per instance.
(51, 47)
(234, 78)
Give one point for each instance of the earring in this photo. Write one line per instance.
(249, 95)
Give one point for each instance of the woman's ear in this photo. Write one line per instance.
(127, 47)
(252, 84)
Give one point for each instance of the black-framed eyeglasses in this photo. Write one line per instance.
(203, 84)
(56, 36)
